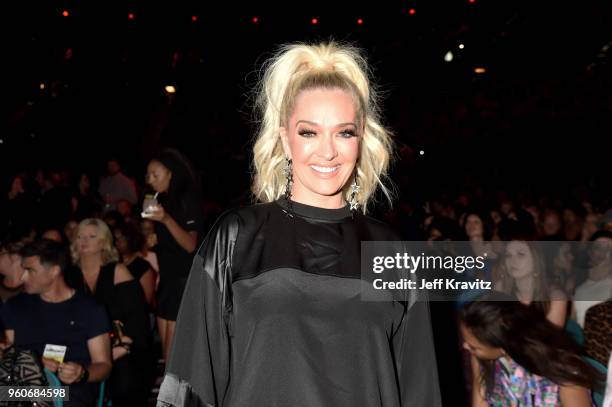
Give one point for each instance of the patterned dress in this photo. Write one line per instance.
(516, 387)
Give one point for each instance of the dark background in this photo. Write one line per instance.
(539, 117)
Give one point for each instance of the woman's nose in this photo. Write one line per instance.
(327, 148)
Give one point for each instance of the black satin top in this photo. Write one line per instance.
(272, 316)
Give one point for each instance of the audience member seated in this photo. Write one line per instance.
(598, 332)
(53, 234)
(129, 242)
(112, 285)
(11, 270)
(523, 274)
(598, 286)
(50, 312)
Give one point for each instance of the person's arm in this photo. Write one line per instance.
(199, 365)
(574, 396)
(477, 388)
(557, 313)
(9, 336)
(186, 239)
(415, 357)
(122, 274)
(99, 369)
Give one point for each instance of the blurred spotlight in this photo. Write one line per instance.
(194, 18)
(314, 21)
(480, 70)
(448, 57)
(170, 89)
(461, 46)
(131, 16)
(65, 13)
(42, 86)
(360, 21)
(421, 152)
(255, 20)
(412, 11)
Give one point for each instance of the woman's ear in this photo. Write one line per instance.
(285, 141)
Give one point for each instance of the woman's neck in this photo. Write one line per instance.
(129, 258)
(90, 263)
(525, 288)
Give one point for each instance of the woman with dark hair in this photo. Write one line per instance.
(178, 227)
(519, 358)
(129, 243)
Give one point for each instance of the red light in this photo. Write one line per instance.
(314, 21)
(255, 20)
(360, 21)
(130, 16)
(472, 1)
(194, 18)
(65, 13)
(412, 11)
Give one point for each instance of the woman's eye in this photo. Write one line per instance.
(348, 133)
(306, 133)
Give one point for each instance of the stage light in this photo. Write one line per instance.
(472, 1)
(422, 152)
(314, 21)
(1, 141)
(194, 18)
(412, 11)
(170, 89)
(65, 13)
(461, 46)
(480, 70)
(448, 57)
(255, 20)
(360, 21)
(42, 86)
(131, 16)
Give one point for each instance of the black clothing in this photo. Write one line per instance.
(125, 302)
(174, 261)
(138, 267)
(70, 323)
(272, 316)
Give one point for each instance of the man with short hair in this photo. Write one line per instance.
(49, 312)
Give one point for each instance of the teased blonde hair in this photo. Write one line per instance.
(109, 252)
(298, 67)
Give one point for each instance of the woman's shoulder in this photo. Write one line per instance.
(249, 215)
(122, 274)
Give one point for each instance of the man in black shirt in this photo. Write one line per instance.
(51, 313)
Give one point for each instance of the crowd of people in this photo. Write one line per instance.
(101, 265)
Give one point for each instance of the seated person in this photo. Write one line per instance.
(598, 332)
(11, 272)
(50, 312)
(598, 286)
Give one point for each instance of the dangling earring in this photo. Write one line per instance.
(354, 205)
(288, 171)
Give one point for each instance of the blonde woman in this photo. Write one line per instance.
(111, 284)
(272, 314)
